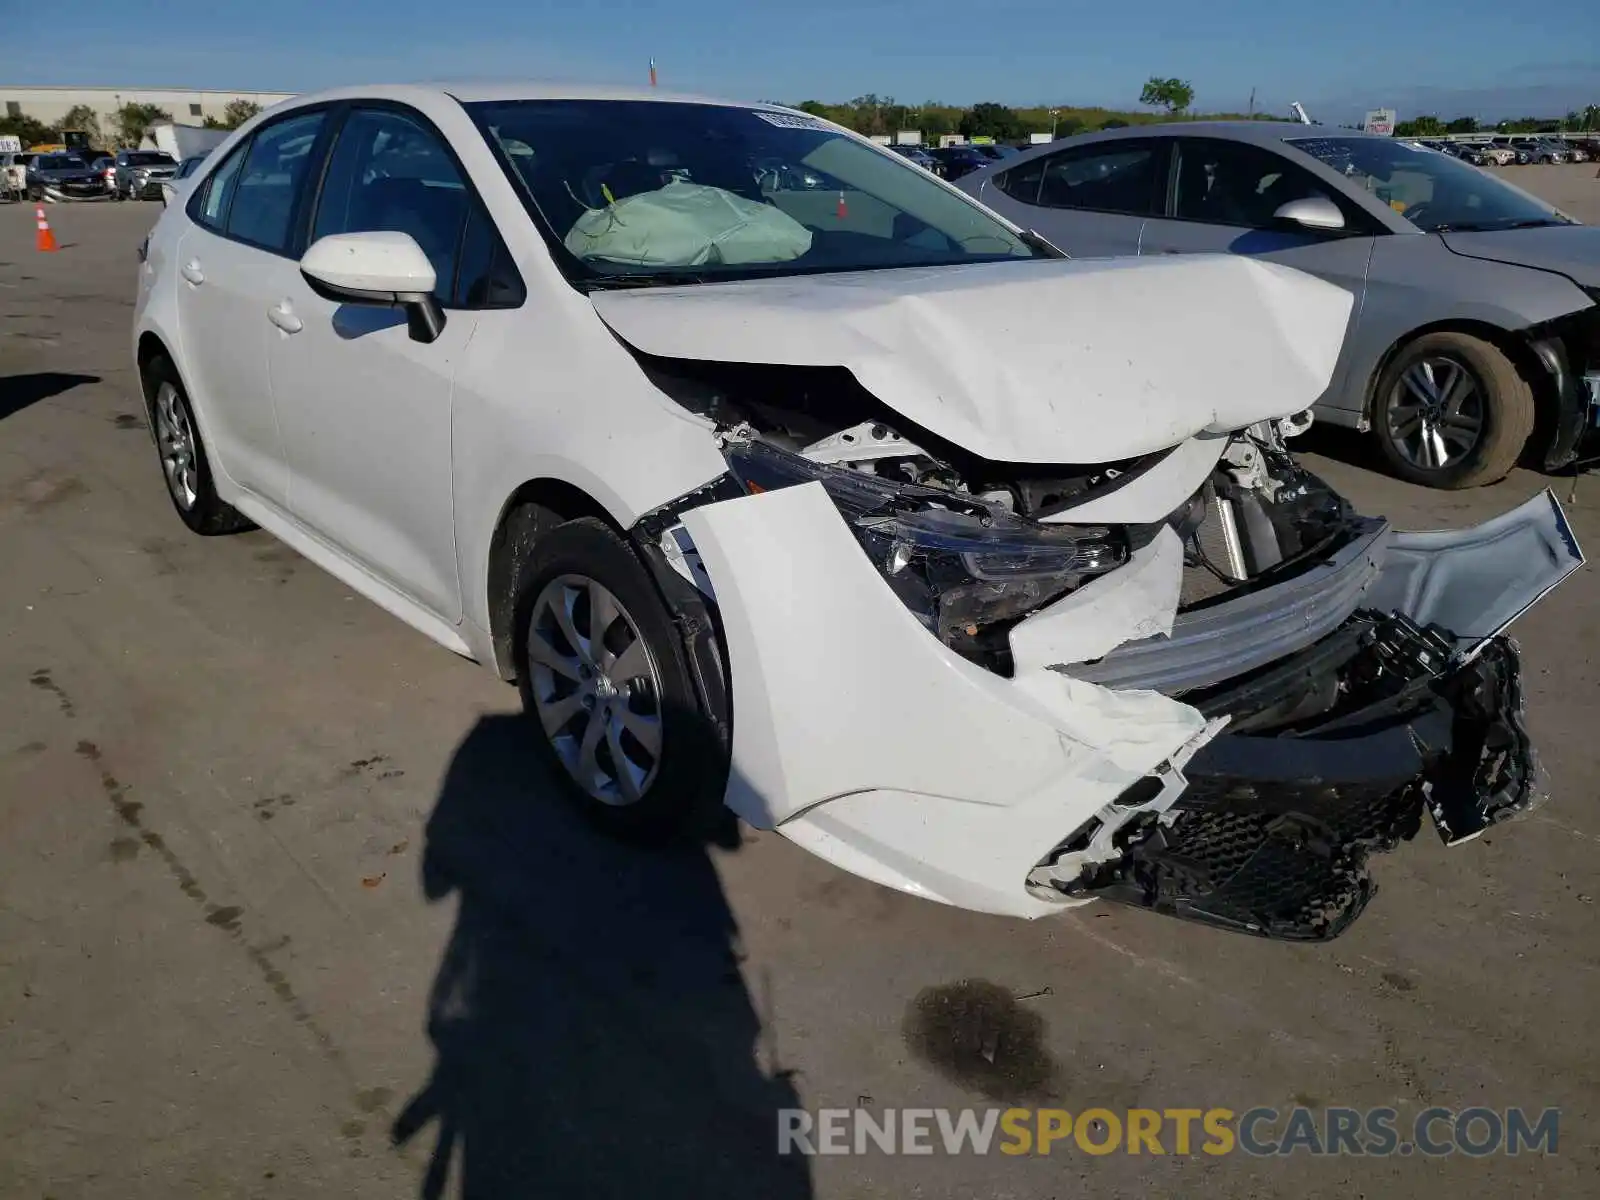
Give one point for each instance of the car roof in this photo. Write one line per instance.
(1261, 133)
(475, 91)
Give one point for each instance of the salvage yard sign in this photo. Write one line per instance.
(1381, 121)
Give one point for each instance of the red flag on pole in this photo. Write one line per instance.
(652, 72)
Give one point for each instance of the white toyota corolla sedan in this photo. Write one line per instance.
(777, 471)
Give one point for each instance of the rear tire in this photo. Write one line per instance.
(184, 464)
(1451, 411)
(606, 687)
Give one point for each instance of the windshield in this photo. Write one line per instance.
(642, 191)
(60, 162)
(149, 158)
(1435, 192)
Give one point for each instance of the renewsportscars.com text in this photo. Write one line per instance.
(1434, 1132)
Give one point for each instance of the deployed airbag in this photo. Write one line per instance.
(688, 225)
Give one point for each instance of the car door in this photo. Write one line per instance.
(366, 410)
(1091, 201)
(238, 235)
(1221, 199)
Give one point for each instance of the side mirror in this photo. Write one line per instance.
(1312, 212)
(384, 268)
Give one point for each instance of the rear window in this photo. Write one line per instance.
(148, 158)
(60, 162)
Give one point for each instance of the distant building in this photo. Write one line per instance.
(187, 106)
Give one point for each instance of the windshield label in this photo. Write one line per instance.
(785, 120)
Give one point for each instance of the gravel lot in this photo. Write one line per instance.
(283, 912)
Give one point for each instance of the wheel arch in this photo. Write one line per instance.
(151, 346)
(1514, 344)
(516, 529)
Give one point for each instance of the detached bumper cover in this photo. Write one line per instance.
(1473, 582)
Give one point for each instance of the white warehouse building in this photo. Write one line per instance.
(187, 106)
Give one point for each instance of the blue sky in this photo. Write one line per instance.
(1483, 57)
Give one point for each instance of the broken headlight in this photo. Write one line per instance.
(964, 568)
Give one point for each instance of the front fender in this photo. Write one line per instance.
(859, 735)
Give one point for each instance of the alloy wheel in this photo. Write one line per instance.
(596, 689)
(176, 442)
(1436, 412)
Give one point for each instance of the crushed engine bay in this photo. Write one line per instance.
(1257, 511)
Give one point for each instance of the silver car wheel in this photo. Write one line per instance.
(176, 442)
(1435, 413)
(596, 689)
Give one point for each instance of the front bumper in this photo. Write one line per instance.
(866, 740)
(94, 189)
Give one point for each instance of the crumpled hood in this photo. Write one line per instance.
(1570, 250)
(1052, 361)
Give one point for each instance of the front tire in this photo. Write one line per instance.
(606, 686)
(184, 463)
(1452, 411)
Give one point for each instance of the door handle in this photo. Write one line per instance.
(282, 315)
(192, 272)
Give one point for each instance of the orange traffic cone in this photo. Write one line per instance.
(45, 240)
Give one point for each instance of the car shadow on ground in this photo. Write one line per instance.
(592, 1030)
(1358, 449)
(17, 392)
(1347, 445)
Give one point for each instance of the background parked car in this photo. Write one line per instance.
(139, 173)
(169, 187)
(956, 161)
(68, 174)
(13, 175)
(1476, 322)
(106, 165)
(919, 156)
(1519, 155)
(1538, 151)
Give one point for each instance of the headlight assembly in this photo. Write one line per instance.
(960, 565)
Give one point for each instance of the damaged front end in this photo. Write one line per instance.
(1193, 681)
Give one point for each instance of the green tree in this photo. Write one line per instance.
(1114, 123)
(1462, 125)
(135, 120)
(28, 130)
(82, 118)
(238, 112)
(991, 120)
(1419, 127)
(1174, 95)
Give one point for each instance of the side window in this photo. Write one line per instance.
(388, 172)
(262, 212)
(1118, 176)
(1022, 182)
(486, 277)
(1233, 183)
(210, 205)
